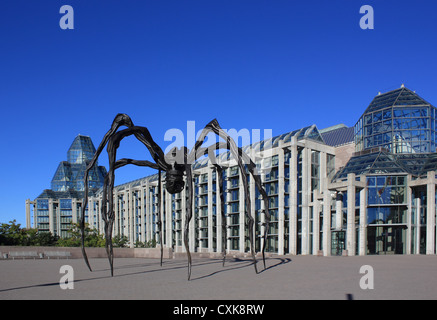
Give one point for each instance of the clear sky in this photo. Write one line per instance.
(255, 64)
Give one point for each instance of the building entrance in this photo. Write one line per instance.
(386, 239)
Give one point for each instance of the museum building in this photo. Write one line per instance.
(367, 189)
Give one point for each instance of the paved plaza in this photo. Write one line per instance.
(286, 277)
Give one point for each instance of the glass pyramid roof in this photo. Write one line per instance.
(399, 97)
(70, 174)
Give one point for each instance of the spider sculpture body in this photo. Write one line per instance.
(176, 164)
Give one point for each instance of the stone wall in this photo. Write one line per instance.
(76, 252)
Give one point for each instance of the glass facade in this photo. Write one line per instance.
(398, 121)
(58, 207)
(70, 174)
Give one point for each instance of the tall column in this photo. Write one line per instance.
(324, 191)
(409, 213)
(219, 221)
(184, 211)
(306, 194)
(148, 214)
(339, 211)
(168, 213)
(418, 210)
(252, 187)
(74, 213)
(51, 217)
(430, 213)
(350, 233)
(192, 226)
(228, 210)
(316, 224)
(28, 219)
(293, 196)
(242, 210)
(143, 214)
(100, 219)
(363, 222)
(280, 192)
(326, 223)
(131, 217)
(210, 213)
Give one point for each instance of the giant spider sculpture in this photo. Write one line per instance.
(175, 164)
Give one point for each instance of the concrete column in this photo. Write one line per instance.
(28, 219)
(339, 211)
(430, 213)
(131, 215)
(242, 210)
(409, 213)
(191, 228)
(350, 233)
(99, 219)
(306, 194)
(363, 221)
(184, 212)
(326, 223)
(252, 187)
(148, 214)
(281, 191)
(228, 209)
(219, 216)
(143, 214)
(210, 214)
(418, 209)
(168, 218)
(57, 214)
(293, 196)
(51, 217)
(74, 213)
(316, 224)
(91, 212)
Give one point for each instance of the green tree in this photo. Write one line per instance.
(11, 234)
(151, 243)
(120, 241)
(92, 237)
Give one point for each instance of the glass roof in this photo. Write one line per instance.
(70, 174)
(310, 132)
(398, 97)
(383, 162)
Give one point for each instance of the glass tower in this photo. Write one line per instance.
(399, 121)
(70, 173)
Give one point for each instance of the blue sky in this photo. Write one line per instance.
(253, 64)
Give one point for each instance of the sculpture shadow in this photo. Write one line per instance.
(248, 263)
(231, 264)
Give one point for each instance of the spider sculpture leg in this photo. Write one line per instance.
(188, 214)
(113, 141)
(239, 155)
(222, 209)
(119, 120)
(143, 135)
(159, 222)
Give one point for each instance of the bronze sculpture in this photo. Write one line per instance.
(175, 163)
